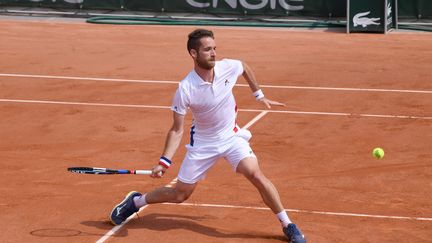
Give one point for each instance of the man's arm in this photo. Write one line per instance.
(172, 142)
(250, 77)
(253, 84)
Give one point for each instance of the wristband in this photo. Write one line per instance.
(165, 162)
(258, 94)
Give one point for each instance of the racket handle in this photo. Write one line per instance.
(143, 172)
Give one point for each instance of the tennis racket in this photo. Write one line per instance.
(106, 171)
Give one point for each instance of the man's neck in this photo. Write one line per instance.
(205, 74)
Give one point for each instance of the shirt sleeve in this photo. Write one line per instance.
(236, 66)
(180, 102)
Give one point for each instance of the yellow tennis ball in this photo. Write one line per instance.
(378, 153)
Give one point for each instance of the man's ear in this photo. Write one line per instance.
(193, 53)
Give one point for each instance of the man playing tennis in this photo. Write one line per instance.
(207, 92)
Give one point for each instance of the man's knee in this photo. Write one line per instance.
(182, 196)
(256, 176)
(183, 192)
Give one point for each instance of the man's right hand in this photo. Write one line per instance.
(158, 171)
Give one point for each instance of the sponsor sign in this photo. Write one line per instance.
(371, 15)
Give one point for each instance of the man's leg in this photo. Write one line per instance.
(135, 200)
(250, 169)
(181, 192)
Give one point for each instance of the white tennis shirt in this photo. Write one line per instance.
(212, 104)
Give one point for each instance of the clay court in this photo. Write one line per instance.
(77, 94)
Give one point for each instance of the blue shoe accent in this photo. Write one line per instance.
(293, 234)
(123, 210)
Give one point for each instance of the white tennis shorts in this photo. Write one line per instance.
(200, 159)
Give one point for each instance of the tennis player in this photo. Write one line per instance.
(207, 92)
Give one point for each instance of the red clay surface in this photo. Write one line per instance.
(318, 162)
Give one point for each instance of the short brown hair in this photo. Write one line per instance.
(195, 36)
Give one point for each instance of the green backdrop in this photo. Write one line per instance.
(306, 8)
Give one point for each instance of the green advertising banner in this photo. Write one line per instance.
(300, 8)
(105, 4)
(139, 5)
(419, 9)
(238, 7)
(317, 8)
(312, 8)
(67, 4)
(371, 15)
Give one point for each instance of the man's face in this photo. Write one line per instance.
(206, 55)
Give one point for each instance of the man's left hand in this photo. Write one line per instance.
(268, 103)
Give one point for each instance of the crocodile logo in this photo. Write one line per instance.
(360, 19)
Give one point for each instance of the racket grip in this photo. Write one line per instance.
(143, 172)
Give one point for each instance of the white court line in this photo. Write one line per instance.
(50, 102)
(305, 211)
(116, 228)
(87, 78)
(241, 85)
(171, 184)
(247, 110)
(344, 89)
(255, 119)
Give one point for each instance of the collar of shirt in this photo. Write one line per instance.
(202, 81)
